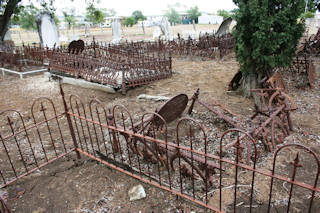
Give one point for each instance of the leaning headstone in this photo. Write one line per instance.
(116, 31)
(224, 27)
(165, 28)
(7, 41)
(47, 29)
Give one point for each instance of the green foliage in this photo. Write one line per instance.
(138, 16)
(225, 14)
(47, 6)
(56, 20)
(233, 13)
(312, 6)
(70, 19)
(15, 6)
(193, 13)
(10, 9)
(307, 14)
(27, 17)
(267, 33)
(129, 21)
(95, 15)
(173, 16)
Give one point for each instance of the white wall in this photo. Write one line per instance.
(210, 19)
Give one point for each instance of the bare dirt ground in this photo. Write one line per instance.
(64, 186)
(92, 187)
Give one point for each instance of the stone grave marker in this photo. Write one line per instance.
(47, 30)
(116, 31)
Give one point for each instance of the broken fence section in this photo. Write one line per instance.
(178, 161)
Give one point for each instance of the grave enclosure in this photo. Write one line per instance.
(175, 154)
(162, 149)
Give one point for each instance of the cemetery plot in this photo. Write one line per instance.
(179, 156)
(195, 148)
(23, 60)
(111, 65)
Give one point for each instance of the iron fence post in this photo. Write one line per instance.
(75, 143)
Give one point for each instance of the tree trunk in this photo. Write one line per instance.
(249, 82)
(5, 17)
(194, 25)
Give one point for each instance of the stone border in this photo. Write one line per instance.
(80, 82)
(21, 74)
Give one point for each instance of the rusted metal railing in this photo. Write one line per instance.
(111, 65)
(19, 57)
(28, 145)
(182, 160)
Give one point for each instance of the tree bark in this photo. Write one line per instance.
(249, 82)
(5, 17)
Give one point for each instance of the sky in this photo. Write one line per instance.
(148, 7)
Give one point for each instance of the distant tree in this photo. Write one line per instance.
(138, 16)
(129, 21)
(70, 19)
(312, 6)
(173, 16)
(233, 13)
(26, 18)
(95, 15)
(193, 13)
(56, 20)
(266, 36)
(225, 14)
(47, 6)
(10, 9)
(310, 9)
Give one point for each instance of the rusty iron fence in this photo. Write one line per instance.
(183, 160)
(303, 69)
(19, 57)
(106, 64)
(310, 46)
(207, 46)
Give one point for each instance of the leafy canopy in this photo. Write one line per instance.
(173, 16)
(26, 17)
(95, 15)
(267, 33)
(129, 21)
(138, 16)
(70, 19)
(193, 13)
(225, 14)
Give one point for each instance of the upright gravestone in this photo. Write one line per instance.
(47, 29)
(156, 32)
(165, 28)
(87, 30)
(7, 36)
(116, 31)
